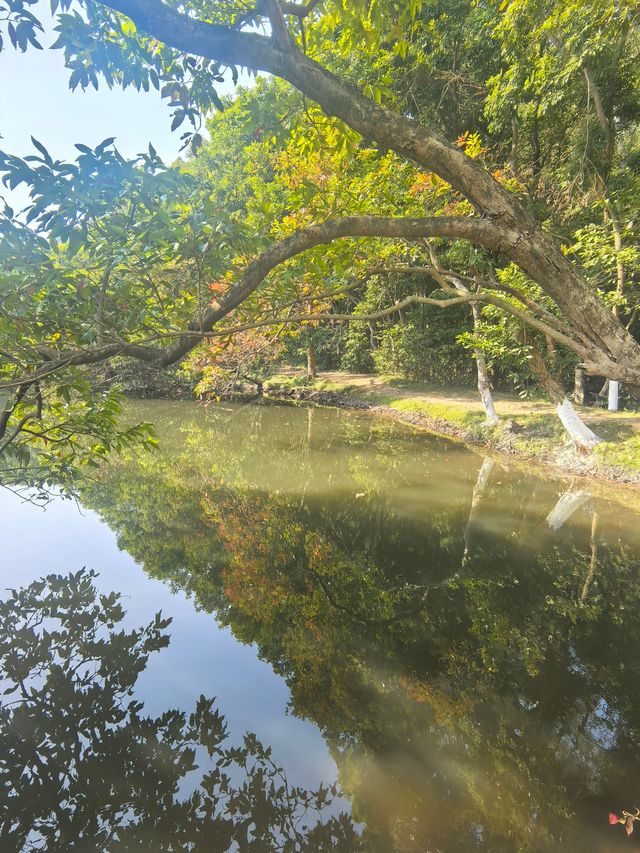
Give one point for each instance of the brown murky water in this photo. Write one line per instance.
(455, 641)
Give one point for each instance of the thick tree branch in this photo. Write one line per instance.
(279, 30)
(489, 284)
(299, 10)
(524, 241)
(397, 307)
(479, 231)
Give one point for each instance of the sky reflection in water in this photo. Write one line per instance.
(458, 636)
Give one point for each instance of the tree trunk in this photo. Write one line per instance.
(551, 351)
(579, 433)
(484, 385)
(603, 120)
(621, 278)
(484, 389)
(515, 168)
(582, 436)
(578, 388)
(312, 365)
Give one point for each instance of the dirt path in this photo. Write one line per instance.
(507, 405)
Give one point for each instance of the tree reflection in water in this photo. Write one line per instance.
(472, 666)
(82, 768)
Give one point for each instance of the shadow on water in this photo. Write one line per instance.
(466, 637)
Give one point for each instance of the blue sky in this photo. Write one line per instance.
(36, 101)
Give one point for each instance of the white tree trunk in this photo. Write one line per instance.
(613, 395)
(578, 431)
(487, 401)
(484, 385)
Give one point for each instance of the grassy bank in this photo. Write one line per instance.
(528, 429)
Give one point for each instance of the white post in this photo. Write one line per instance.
(613, 395)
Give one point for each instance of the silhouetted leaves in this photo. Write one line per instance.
(81, 766)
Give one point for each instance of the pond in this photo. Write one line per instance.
(451, 639)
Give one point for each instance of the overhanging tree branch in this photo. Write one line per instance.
(479, 231)
(524, 242)
(463, 299)
(489, 284)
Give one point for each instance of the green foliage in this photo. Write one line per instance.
(358, 353)
(425, 350)
(121, 256)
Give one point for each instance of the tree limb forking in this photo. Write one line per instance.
(462, 299)
(489, 284)
(523, 239)
(299, 10)
(480, 231)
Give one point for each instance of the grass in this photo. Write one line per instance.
(286, 382)
(440, 412)
(620, 454)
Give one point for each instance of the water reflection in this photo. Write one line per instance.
(83, 768)
(466, 637)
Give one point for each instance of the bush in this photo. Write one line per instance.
(424, 351)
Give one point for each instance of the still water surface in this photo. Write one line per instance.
(453, 641)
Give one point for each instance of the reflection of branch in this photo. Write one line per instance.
(425, 589)
(593, 564)
(331, 599)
